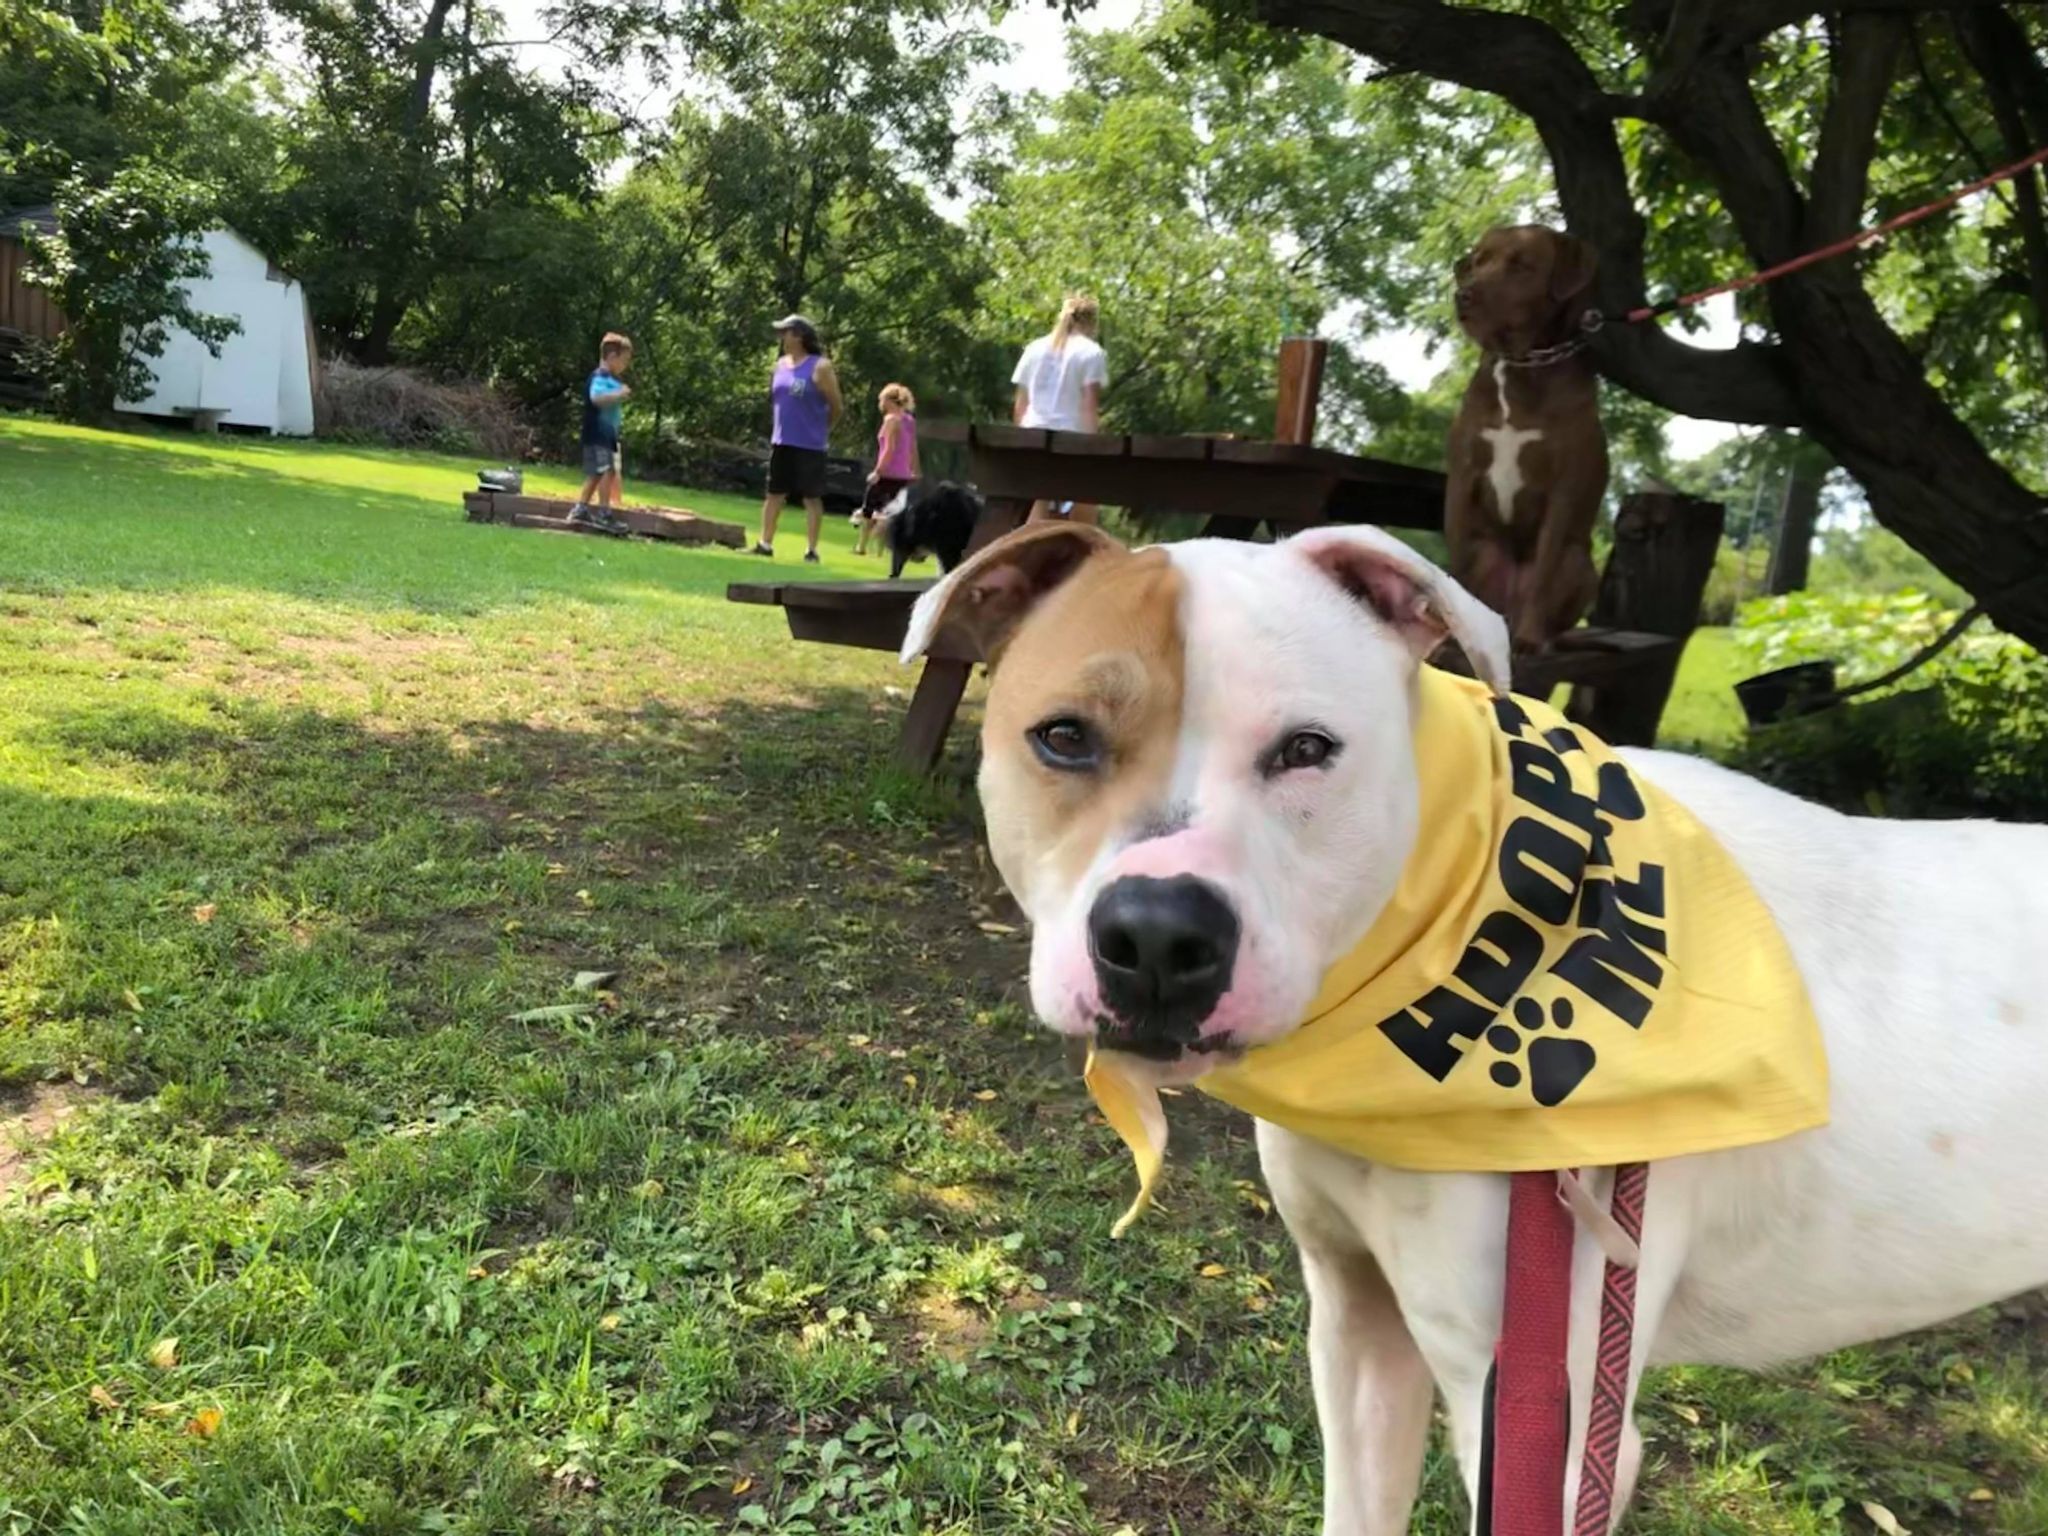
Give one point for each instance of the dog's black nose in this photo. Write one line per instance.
(1163, 952)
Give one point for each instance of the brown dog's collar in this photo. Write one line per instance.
(1562, 351)
(1544, 357)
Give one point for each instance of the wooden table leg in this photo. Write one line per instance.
(932, 708)
(943, 683)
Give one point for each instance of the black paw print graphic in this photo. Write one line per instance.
(1557, 1065)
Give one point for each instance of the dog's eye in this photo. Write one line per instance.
(1304, 749)
(1065, 743)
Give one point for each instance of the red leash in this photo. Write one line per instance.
(1594, 318)
(1531, 1417)
(1528, 1416)
(1612, 1361)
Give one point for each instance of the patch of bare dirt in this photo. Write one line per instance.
(33, 1119)
(951, 1328)
(373, 645)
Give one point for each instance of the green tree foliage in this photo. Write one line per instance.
(1215, 194)
(416, 145)
(118, 267)
(802, 179)
(89, 86)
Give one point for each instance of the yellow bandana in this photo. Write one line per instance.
(1571, 973)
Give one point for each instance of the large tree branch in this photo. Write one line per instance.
(1937, 99)
(1696, 29)
(1988, 41)
(1866, 57)
(1536, 71)
(1713, 116)
(426, 59)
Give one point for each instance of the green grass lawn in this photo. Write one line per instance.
(332, 1204)
(1703, 715)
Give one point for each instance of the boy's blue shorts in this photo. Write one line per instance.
(602, 458)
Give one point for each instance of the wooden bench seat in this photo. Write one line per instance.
(875, 615)
(869, 615)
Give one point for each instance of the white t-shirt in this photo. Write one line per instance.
(1053, 381)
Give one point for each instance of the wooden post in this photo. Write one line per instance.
(1294, 415)
(1301, 389)
(1664, 546)
(942, 682)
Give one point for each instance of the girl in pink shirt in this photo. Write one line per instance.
(896, 464)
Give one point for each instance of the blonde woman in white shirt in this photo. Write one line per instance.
(1059, 383)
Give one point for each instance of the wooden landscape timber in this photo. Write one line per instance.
(552, 513)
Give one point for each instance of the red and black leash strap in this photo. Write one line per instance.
(1594, 319)
(1612, 1361)
(1527, 1424)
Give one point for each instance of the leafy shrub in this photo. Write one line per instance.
(1873, 559)
(399, 408)
(126, 249)
(1965, 735)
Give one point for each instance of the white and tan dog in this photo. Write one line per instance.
(1199, 784)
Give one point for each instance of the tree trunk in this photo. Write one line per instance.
(426, 60)
(395, 262)
(1798, 516)
(374, 348)
(1867, 402)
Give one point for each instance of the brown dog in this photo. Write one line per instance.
(1527, 457)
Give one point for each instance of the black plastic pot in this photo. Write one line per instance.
(1774, 696)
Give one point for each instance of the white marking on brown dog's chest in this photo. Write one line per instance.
(1504, 474)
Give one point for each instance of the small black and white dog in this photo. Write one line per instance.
(940, 523)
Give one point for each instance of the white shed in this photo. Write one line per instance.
(264, 375)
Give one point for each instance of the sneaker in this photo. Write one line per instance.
(765, 551)
(579, 513)
(810, 557)
(607, 521)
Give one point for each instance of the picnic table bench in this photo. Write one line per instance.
(1621, 663)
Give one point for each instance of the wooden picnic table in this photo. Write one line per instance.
(1236, 484)
(1621, 665)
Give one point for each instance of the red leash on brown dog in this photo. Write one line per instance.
(1522, 1465)
(1594, 319)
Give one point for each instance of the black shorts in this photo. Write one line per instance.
(880, 494)
(798, 472)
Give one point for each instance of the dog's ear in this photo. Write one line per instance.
(1419, 602)
(1572, 264)
(984, 600)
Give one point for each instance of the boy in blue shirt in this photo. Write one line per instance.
(603, 397)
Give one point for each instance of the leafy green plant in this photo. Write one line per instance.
(1966, 733)
(1863, 633)
(118, 267)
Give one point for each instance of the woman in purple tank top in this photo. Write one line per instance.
(804, 395)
